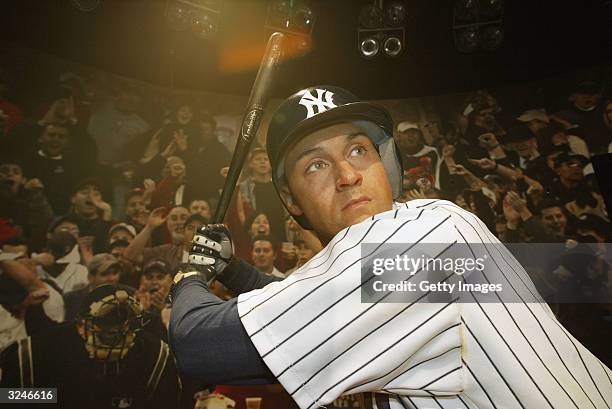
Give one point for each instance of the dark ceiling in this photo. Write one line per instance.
(131, 38)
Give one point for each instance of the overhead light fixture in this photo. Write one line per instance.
(381, 29)
(86, 5)
(393, 46)
(201, 17)
(491, 9)
(302, 18)
(177, 15)
(296, 19)
(478, 25)
(466, 11)
(492, 37)
(370, 47)
(468, 40)
(371, 16)
(395, 13)
(202, 23)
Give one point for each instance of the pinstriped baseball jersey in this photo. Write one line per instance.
(321, 341)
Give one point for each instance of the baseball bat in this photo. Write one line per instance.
(251, 121)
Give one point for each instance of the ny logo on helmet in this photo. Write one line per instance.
(322, 105)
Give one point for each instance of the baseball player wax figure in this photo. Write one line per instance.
(337, 170)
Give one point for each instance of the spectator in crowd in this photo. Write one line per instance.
(174, 253)
(103, 268)
(304, 253)
(257, 223)
(585, 115)
(552, 133)
(117, 248)
(56, 169)
(207, 158)
(521, 225)
(68, 223)
(170, 191)
(24, 203)
(264, 255)
(257, 192)
(135, 209)
(92, 212)
(116, 126)
(524, 143)
(201, 207)
(121, 231)
(102, 360)
(419, 160)
(226, 136)
(569, 185)
(481, 114)
(63, 267)
(152, 293)
(164, 143)
(10, 114)
(20, 288)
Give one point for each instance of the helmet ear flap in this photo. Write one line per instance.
(392, 160)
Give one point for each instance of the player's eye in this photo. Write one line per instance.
(358, 150)
(315, 166)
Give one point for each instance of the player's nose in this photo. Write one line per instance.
(347, 175)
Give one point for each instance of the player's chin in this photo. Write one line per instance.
(354, 216)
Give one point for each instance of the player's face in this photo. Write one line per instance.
(336, 179)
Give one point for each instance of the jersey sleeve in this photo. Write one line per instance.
(321, 340)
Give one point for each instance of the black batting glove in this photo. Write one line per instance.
(211, 246)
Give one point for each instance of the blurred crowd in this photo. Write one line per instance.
(99, 202)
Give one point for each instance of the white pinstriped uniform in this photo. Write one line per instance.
(321, 341)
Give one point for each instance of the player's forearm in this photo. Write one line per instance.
(209, 342)
(241, 277)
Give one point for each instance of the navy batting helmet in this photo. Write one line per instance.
(320, 106)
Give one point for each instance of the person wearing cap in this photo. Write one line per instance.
(104, 359)
(416, 154)
(103, 268)
(524, 143)
(585, 114)
(570, 177)
(337, 169)
(152, 293)
(121, 231)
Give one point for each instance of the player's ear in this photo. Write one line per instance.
(292, 206)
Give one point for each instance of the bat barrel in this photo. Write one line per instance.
(252, 119)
